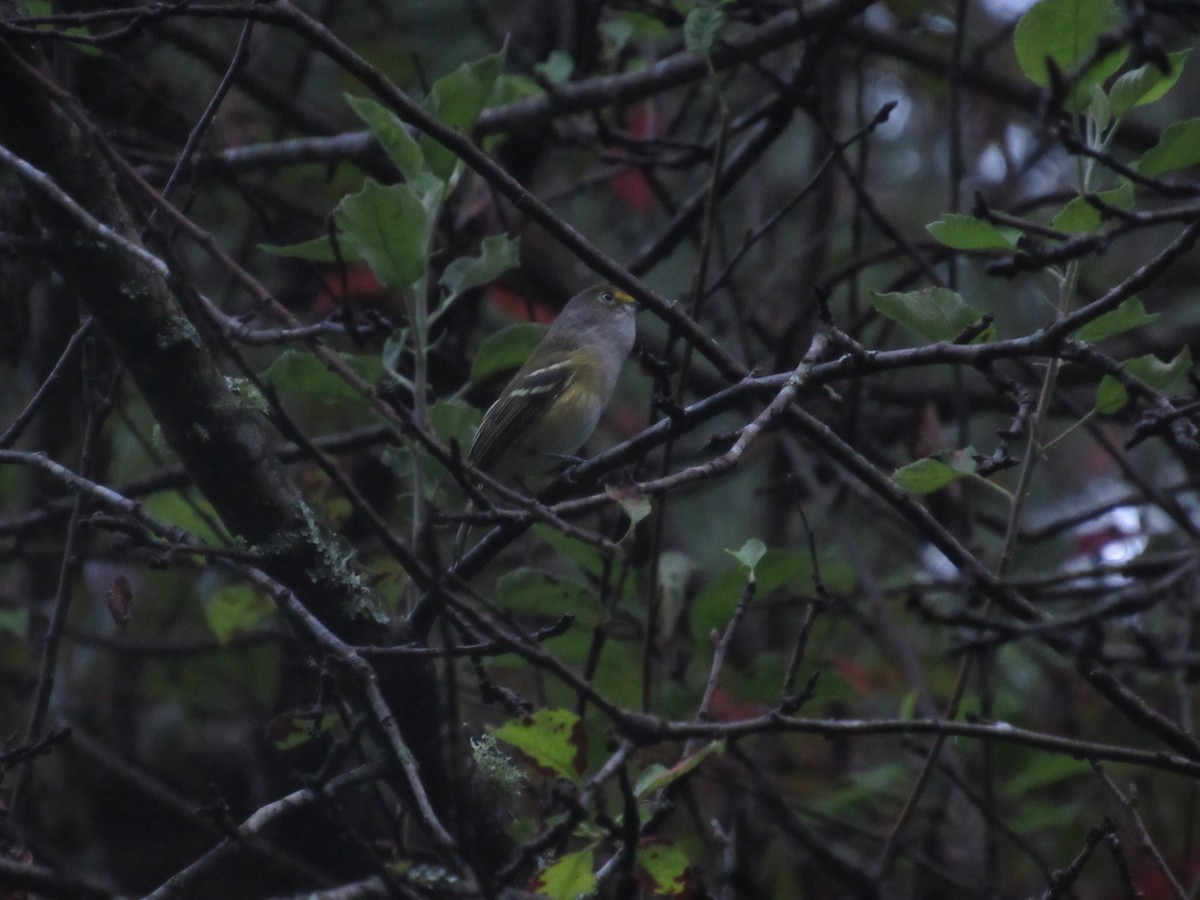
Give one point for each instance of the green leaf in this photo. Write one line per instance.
(534, 592)
(1080, 217)
(553, 740)
(657, 776)
(389, 130)
(299, 372)
(928, 475)
(647, 27)
(617, 33)
(664, 868)
(934, 313)
(235, 610)
(1145, 84)
(497, 254)
(512, 88)
(568, 878)
(192, 514)
(40, 9)
(1178, 148)
(454, 419)
(457, 100)
(702, 27)
(1066, 31)
(1130, 314)
(968, 233)
(319, 249)
(1099, 108)
(389, 226)
(750, 554)
(1154, 373)
(1111, 395)
(505, 351)
(557, 67)
(778, 569)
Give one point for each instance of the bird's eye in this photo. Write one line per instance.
(607, 297)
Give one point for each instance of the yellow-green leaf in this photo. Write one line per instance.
(1066, 31)
(570, 877)
(664, 869)
(1080, 217)
(1177, 148)
(553, 741)
(927, 475)
(392, 135)
(938, 314)
(1145, 84)
(1130, 314)
(968, 233)
(389, 226)
(505, 351)
(235, 610)
(657, 776)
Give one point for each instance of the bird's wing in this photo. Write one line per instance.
(521, 405)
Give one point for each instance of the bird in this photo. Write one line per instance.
(552, 405)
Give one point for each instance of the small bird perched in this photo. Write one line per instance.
(552, 405)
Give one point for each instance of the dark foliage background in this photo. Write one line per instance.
(953, 651)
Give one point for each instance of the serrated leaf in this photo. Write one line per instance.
(235, 610)
(1111, 395)
(749, 554)
(1080, 217)
(389, 226)
(1066, 31)
(1177, 148)
(570, 877)
(657, 776)
(553, 740)
(1130, 314)
(1154, 373)
(457, 100)
(702, 27)
(664, 869)
(389, 130)
(505, 351)
(319, 249)
(299, 372)
(1145, 84)
(934, 313)
(928, 475)
(497, 254)
(968, 233)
